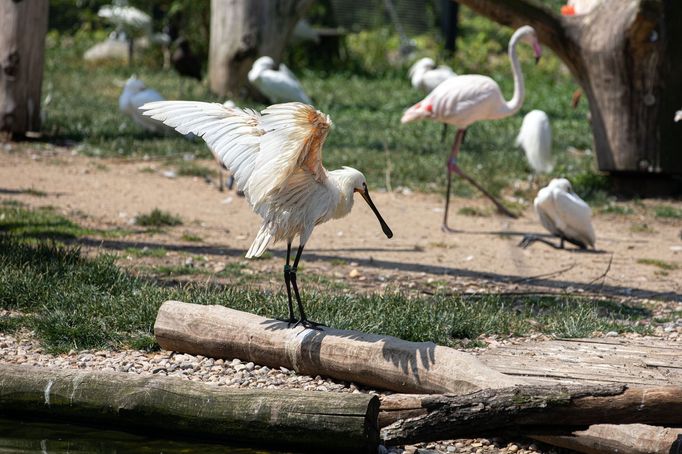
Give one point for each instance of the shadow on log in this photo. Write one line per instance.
(314, 421)
(377, 361)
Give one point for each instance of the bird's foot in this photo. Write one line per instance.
(447, 229)
(526, 241)
(304, 322)
(289, 321)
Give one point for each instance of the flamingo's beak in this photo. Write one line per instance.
(538, 51)
(384, 226)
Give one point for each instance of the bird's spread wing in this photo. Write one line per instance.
(294, 134)
(232, 134)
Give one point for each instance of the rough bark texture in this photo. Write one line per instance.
(526, 410)
(627, 438)
(377, 361)
(284, 418)
(242, 31)
(627, 56)
(23, 25)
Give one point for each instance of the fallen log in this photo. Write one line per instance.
(629, 438)
(377, 361)
(313, 421)
(524, 410)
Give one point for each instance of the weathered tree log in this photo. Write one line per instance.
(242, 31)
(285, 418)
(627, 56)
(627, 438)
(23, 25)
(372, 360)
(526, 410)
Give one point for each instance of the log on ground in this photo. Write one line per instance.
(313, 421)
(373, 360)
(629, 438)
(528, 410)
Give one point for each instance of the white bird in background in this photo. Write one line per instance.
(276, 159)
(564, 214)
(678, 115)
(278, 85)
(425, 76)
(464, 100)
(128, 20)
(535, 137)
(135, 94)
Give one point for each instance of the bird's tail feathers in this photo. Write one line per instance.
(260, 244)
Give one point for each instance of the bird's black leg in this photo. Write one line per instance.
(287, 281)
(451, 165)
(304, 320)
(530, 239)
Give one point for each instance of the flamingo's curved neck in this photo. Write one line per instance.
(514, 104)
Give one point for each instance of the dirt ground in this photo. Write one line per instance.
(639, 255)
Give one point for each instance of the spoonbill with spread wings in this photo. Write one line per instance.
(276, 159)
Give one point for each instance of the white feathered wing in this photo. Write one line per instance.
(564, 214)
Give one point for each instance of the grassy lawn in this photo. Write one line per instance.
(74, 301)
(365, 106)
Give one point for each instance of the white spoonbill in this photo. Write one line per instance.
(278, 85)
(425, 76)
(276, 159)
(564, 214)
(135, 94)
(464, 100)
(535, 137)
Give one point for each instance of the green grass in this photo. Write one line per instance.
(192, 169)
(157, 218)
(74, 301)
(191, 237)
(662, 264)
(668, 212)
(156, 252)
(365, 107)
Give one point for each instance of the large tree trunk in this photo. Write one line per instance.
(627, 56)
(242, 31)
(23, 25)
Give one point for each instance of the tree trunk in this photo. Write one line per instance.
(23, 25)
(242, 31)
(627, 56)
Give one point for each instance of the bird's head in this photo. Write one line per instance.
(134, 85)
(421, 64)
(562, 184)
(352, 181)
(264, 63)
(528, 35)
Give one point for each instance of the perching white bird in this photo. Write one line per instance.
(535, 137)
(678, 115)
(464, 100)
(276, 159)
(129, 20)
(278, 85)
(564, 214)
(135, 94)
(425, 76)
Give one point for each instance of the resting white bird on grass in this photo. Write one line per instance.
(276, 159)
(564, 214)
(425, 76)
(464, 100)
(135, 94)
(535, 137)
(278, 85)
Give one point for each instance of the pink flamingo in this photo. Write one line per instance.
(463, 100)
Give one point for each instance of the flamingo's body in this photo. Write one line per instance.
(464, 100)
(135, 94)
(278, 85)
(276, 159)
(564, 214)
(425, 76)
(536, 139)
